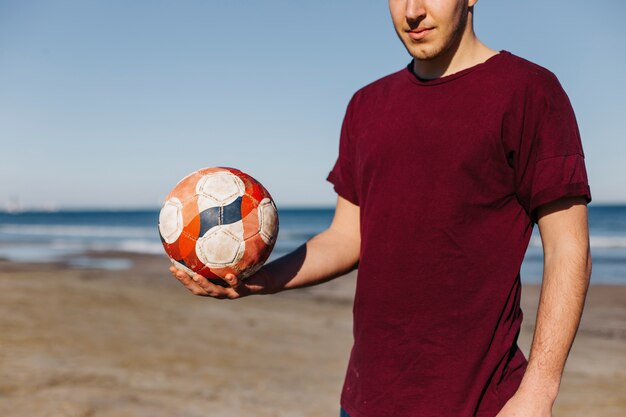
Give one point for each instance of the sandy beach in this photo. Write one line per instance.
(83, 342)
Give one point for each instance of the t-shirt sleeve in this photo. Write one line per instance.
(549, 163)
(343, 176)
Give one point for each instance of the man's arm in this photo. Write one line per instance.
(567, 269)
(330, 254)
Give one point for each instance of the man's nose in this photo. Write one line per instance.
(415, 10)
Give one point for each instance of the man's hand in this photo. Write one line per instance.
(199, 285)
(523, 405)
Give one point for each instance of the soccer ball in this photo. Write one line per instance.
(218, 221)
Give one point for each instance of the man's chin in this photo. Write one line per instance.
(424, 55)
(422, 52)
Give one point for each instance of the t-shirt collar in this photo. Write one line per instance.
(441, 80)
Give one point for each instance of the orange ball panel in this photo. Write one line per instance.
(257, 252)
(172, 250)
(248, 204)
(192, 262)
(206, 272)
(191, 228)
(250, 224)
(185, 189)
(255, 190)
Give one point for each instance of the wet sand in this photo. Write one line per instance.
(79, 342)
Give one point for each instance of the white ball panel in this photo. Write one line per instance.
(218, 189)
(221, 245)
(268, 220)
(171, 220)
(182, 267)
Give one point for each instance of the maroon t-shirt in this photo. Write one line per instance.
(448, 174)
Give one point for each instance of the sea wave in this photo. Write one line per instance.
(63, 250)
(130, 246)
(79, 231)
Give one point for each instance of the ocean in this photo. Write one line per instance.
(72, 236)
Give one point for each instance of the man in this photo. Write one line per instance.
(443, 169)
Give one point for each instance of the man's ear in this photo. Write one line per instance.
(471, 3)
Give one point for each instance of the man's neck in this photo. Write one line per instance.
(468, 53)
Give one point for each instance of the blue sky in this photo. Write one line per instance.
(110, 103)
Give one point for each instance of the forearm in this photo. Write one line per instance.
(326, 256)
(565, 282)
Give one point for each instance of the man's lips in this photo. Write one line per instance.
(418, 33)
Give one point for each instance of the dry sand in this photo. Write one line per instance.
(135, 343)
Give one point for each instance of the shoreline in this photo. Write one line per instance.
(94, 342)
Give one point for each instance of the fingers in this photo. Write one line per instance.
(232, 280)
(201, 286)
(187, 281)
(213, 290)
